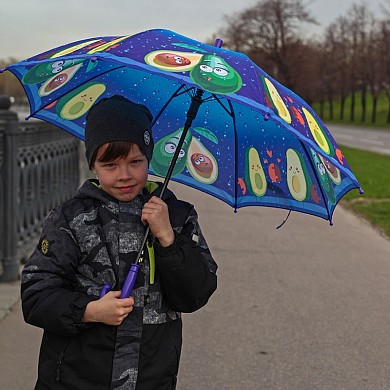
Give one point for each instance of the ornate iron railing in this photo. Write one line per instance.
(39, 168)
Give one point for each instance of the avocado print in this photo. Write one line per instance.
(318, 134)
(333, 172)
(58, 80)
(325, 181)
(42, 72)
(78, 102)
(164, 151)
(200, 163)
(254, 173)
(214, 74)
(298, 179)
(277, 101)
(172, 61)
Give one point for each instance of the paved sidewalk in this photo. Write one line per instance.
(9, 296)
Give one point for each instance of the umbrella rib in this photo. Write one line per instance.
(233, 116)
(231, 113)
(175, 94)
(319, 183)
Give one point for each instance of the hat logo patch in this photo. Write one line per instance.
(147, 138)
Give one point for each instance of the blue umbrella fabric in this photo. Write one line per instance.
(252, 142)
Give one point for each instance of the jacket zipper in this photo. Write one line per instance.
(59, 362)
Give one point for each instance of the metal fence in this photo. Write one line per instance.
(39, 168)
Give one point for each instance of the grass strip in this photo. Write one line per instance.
(373, 173)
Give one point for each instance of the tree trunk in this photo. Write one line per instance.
(388, 110)
(331, 110)
(364, 104)
(374, 108)
(321, 109)
(352, 112)
(342, 108)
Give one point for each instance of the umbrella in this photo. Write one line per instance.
(221, 124)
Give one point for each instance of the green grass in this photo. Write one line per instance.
(381, 111)
(372, 171)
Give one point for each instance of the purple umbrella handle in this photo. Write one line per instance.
(130, 280)
(128, 285)
(106, 288)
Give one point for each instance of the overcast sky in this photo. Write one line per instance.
(29, 27)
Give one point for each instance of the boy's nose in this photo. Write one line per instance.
(124, 173)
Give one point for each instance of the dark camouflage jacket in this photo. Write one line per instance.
(87, 242)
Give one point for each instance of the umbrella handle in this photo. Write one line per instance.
(106, 288)
(130, 280)
(128, 285)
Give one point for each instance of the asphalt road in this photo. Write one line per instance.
(377, 141)
(304, 307)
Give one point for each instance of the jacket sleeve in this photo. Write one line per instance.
(187, 268)
(48, 287)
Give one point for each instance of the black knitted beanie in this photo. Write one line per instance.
(118, 119)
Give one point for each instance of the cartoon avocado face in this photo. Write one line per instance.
(200, 163)
(254, 173)
(78, 102)
(277, 101)
(318, 134)
(164, 151)
(172, 61)
(42, 72)
(215, 75)
(298, 180)
(325, 181)
(333, 172)
(58, 80)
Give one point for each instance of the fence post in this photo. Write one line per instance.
(9, 127)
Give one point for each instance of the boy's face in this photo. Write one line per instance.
(123, 178)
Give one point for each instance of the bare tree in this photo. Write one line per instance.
(337, 48)
(364, 75)
(384, 50)
(269, 32)
(9, 84)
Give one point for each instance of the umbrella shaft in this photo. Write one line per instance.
(196, 102)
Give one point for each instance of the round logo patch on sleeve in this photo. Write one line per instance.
(44, 246)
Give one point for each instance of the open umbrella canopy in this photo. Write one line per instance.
(251, 141)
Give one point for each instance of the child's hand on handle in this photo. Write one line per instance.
(155, 214)
(109, 309)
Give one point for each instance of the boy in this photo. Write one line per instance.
(91, 240)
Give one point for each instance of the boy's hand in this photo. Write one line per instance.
(109, 310)
(155, 214)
